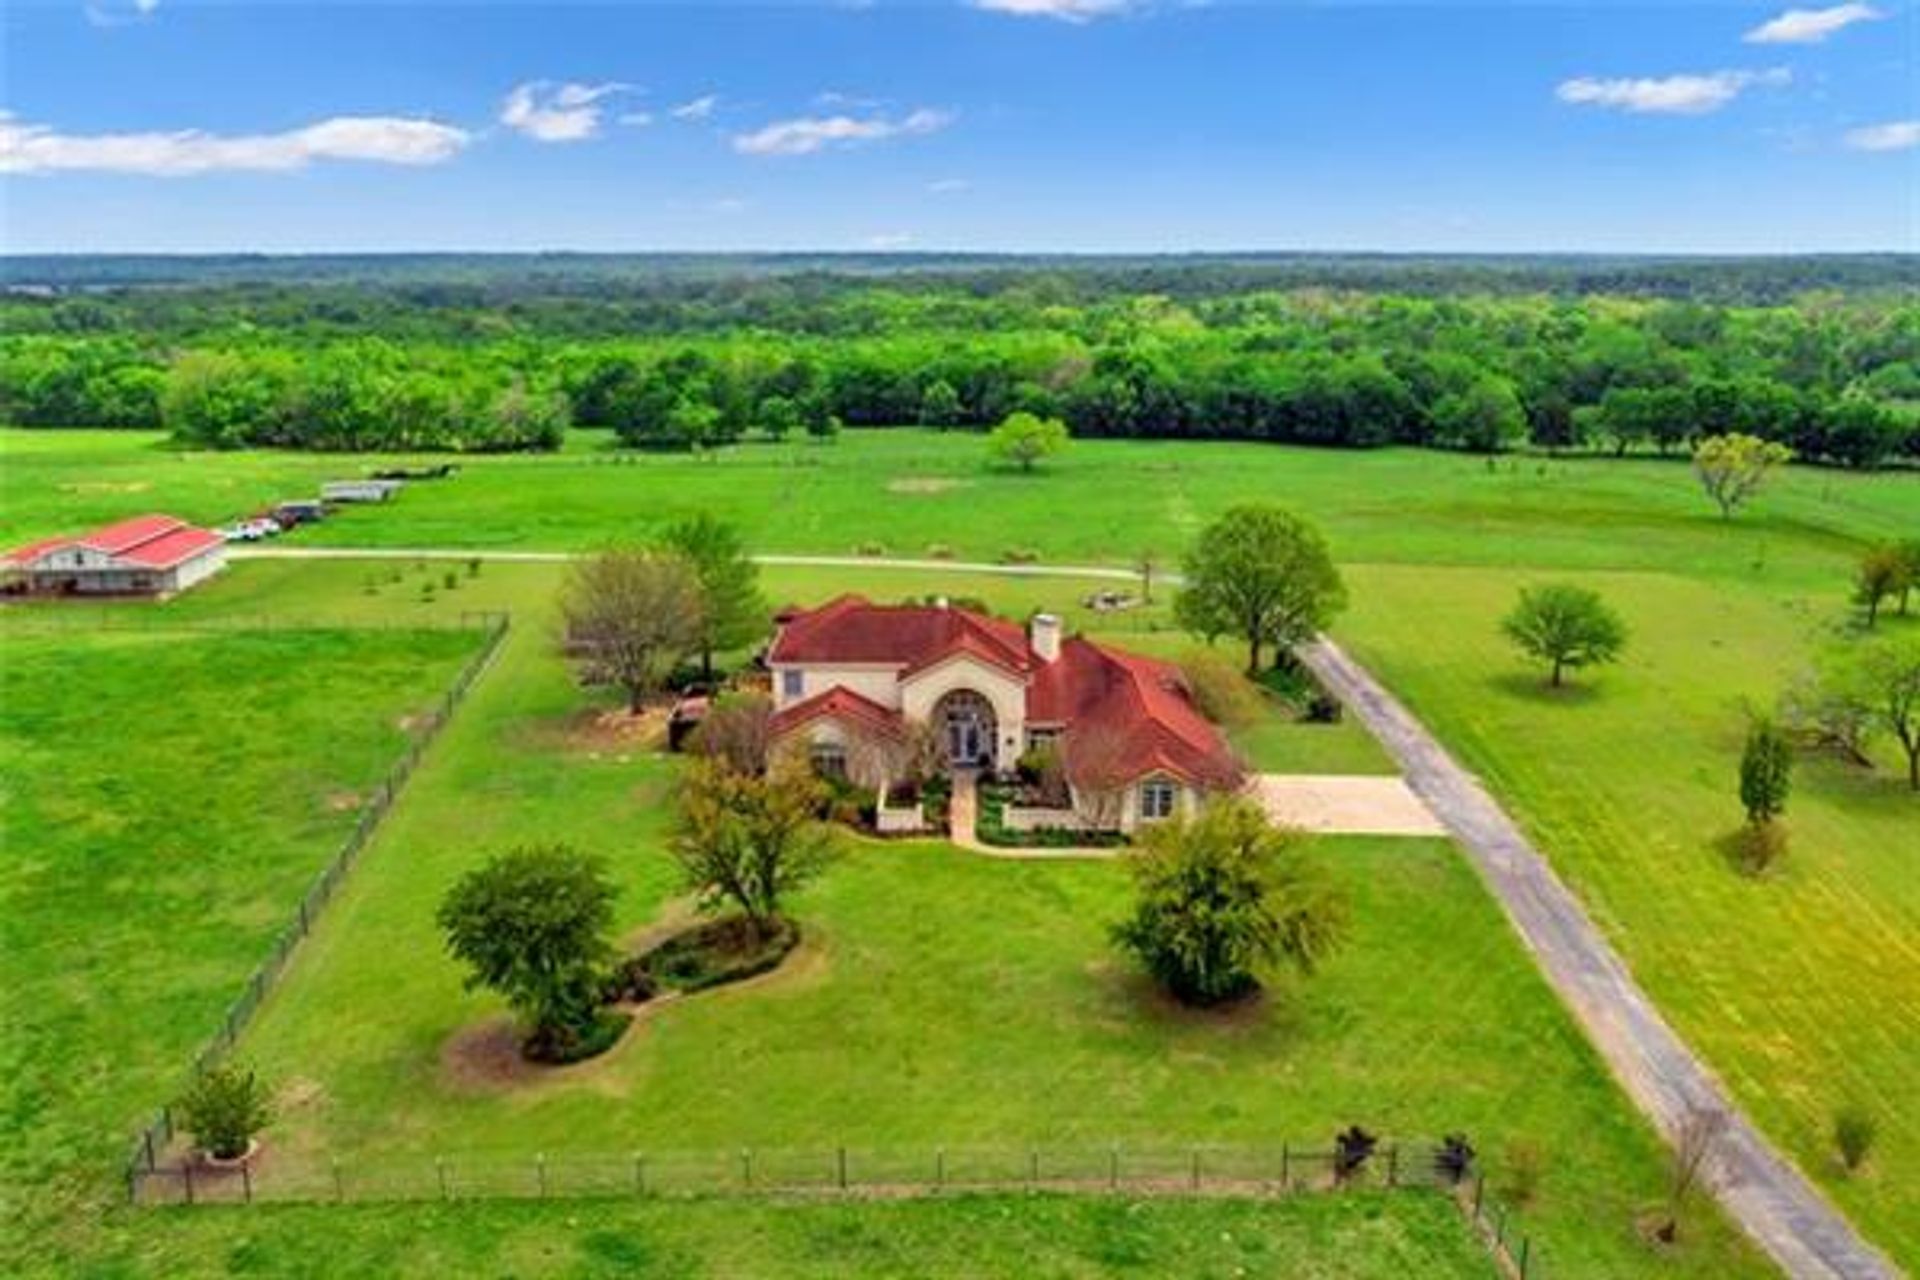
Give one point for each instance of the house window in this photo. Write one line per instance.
(829, 759)
(791, 682)
(1156, 799)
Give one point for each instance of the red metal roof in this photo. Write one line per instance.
(150, 541)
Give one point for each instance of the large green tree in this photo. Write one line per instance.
(1263, 575)
(733, 612)
(1025, 439)
(1225, 899)
(532, 925)
(746, 839)
(1731, 468)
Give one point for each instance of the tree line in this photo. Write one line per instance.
(1837, 382)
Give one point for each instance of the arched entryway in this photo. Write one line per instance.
(967, 726)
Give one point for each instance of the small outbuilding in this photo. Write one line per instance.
(153, 555)
(359, 490)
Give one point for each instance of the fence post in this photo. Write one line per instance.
(540, 1169)
(246, 1180)
(1113, 1167)
(1393, 1165)
(1479, 1189)
(639, 1174)
(147, 1139)
(1525, 1241)
(1286, 1167)
(940, 1168)
(339, 1182)
(1033, 1167)
(133, 1183)
(440, 1172)
(186, 1176)
(840, 1164)
(746, 1167)
(1196, 1169)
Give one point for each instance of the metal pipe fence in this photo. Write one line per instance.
(152, 1141)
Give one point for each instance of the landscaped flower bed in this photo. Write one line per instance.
(708, 955)
(991, 827)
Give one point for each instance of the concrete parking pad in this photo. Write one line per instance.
(1339, 804)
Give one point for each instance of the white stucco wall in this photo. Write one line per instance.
(1006, 693)
(878, 683)
(200, 568)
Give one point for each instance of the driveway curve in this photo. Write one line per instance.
(1770, 1199)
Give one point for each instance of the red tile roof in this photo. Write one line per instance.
(151, 541)
(838, 703)
(1130, 716)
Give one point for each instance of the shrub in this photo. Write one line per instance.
(870, 549)
(1453, 1161)
(1766, 772)
(1854, 1130)
(224, 1109)
(1352, 1147)
(939, 551)
(1020, 555)
(1520, 1173)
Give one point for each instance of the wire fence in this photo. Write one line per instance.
(151, 1143)
(275, 1177)
(67, 620)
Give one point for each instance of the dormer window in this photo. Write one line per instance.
(792, 683)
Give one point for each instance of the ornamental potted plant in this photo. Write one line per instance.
(224, 1110)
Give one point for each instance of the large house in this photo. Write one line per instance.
(147, 555)
(1134, 747)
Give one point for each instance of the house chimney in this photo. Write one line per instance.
(1044, 635)
(939, 602)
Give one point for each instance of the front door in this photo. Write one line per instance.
(963, 740)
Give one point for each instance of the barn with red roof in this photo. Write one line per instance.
(152, 555)
(852, 676)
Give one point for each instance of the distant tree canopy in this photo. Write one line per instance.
(1221, 352)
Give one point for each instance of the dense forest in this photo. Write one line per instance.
(692, 354)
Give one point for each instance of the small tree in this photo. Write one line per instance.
(749, 840)
(531, 924)
(1694, 1143)
(1731, 468)
(1352, 1148)
(1883, 573)
(1024, 439)
(1883, 676)
(1224, 898)
(1909, 552)
(1565, 626)
(738, 731)
(630, 615)
(1766, 772)
(1854, 1130)
(1263, 575)
(224, 1109)
(939, 405)
(1453, 1159)
(732, 611)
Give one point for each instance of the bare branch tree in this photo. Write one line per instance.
(1694, 1143)
(631, 614)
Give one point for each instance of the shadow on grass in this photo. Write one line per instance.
(1534, 688)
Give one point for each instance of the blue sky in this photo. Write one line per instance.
(1088, 125)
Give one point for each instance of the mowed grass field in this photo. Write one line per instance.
(1802, 988)
(910, 491)
(169, 796)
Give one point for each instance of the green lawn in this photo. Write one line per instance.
(1362, 1236)
(909, 490)
(941, 998)
(170, 796)
(1802, 989)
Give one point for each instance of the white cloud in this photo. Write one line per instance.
(1894, 135)
(553, 112)
(37, 148)
(1810, 26)
(698, 109)
(889, 240)
(107, 14)
(146, 6)
(946, 186)
(1064, 10)
(807, 134)
(636, 119)
(1685, 95)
